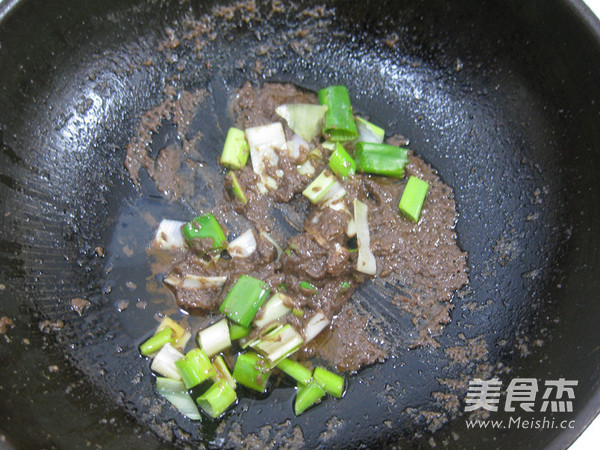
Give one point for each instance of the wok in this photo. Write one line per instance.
(502, 98)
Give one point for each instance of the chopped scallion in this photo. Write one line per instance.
(338, 123)
(223, 371)
(244, 299)
(237, 331)
(413, 197)
(156, 342)
(215, 338)
(164, 362)
(380, 159)
(263, 141)
(205, 227)
(217, 399)
(274, 309)
(304, 119)
(177, 394)
(236, 187)
(341, 163)
(368, 132)
(331, 382)
(295, 370)
(366, 260)
(306, 396)
(168, 235)
(278, 344)
(316, 190)
(244, 245)
(252, 371)
(236, 149)
(317, 323)
(306, 286)
(195, 367)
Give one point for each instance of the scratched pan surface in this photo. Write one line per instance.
(502, 97)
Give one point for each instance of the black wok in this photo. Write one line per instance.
(502, 97)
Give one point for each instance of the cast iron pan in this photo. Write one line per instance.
(502, 97)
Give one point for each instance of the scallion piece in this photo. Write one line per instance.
(380, 159)
(237, 331)
(332, 383)
(181, 337)
(413, 197)
(278, 344)
(305, 119)
(156, 342)
(215, 338)
(191, 281)
(168, 235)
(295, 370)
(252, 371)
(195, 367)
(368, 132)
(177, 394)
(338, 123)
(366, 262)
(263, 141)
(243, 246)
(317, 323)
(164, 362)
(341, 163)
(306, 396)
(244, 299)
(236, 149)
(274, 309)
(316, 190)
(329, 145)
(217, 399)
(236, 187)
(308, 287)
(205, 227)
(223, 371)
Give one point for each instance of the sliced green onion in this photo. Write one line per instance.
(298, 312)
(252, 371)
(223, 371)
(306, 169)
(366, 260)
(278, 344)
(295, 370)
(333, 196)
(274, 309)
(215, 338)
(243, 246)
(167, 322)
(413, 197)
(308, 286)
(236, 149)
(237, 331)
(176, 393)
(329, 145)
(338, 123)
(341, 163)
(368, 132)
(351, 228)
(236, 187)
(316, 190)
(317, 323)
(155, 343)
(164, 362)
(380, 159)
(205, 227)
(268, 237)
(195, 368)
(344, 285)
(304, 119)
(217, 399)
(191, 281)
(331, 382)
(263, 141)
(168, 235)
(244, 299)
(307, 396)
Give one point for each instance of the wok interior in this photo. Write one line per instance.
(483, 93)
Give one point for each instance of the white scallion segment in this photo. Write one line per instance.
(268, 237)
(366, 260)
(316, 191)
(304, 119)
(275, 308)
(191, 281)
(368, 132)
(295, 146)
(314, 326)
(329, 145)
(181, 342)
(223, 371)
(168, 235)
(351, 228)
(176, 393)
(215, 338)
(306, 169)
(243, 246)
(164, 362)
(278, 344)
(263, 141)
(333, 197)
